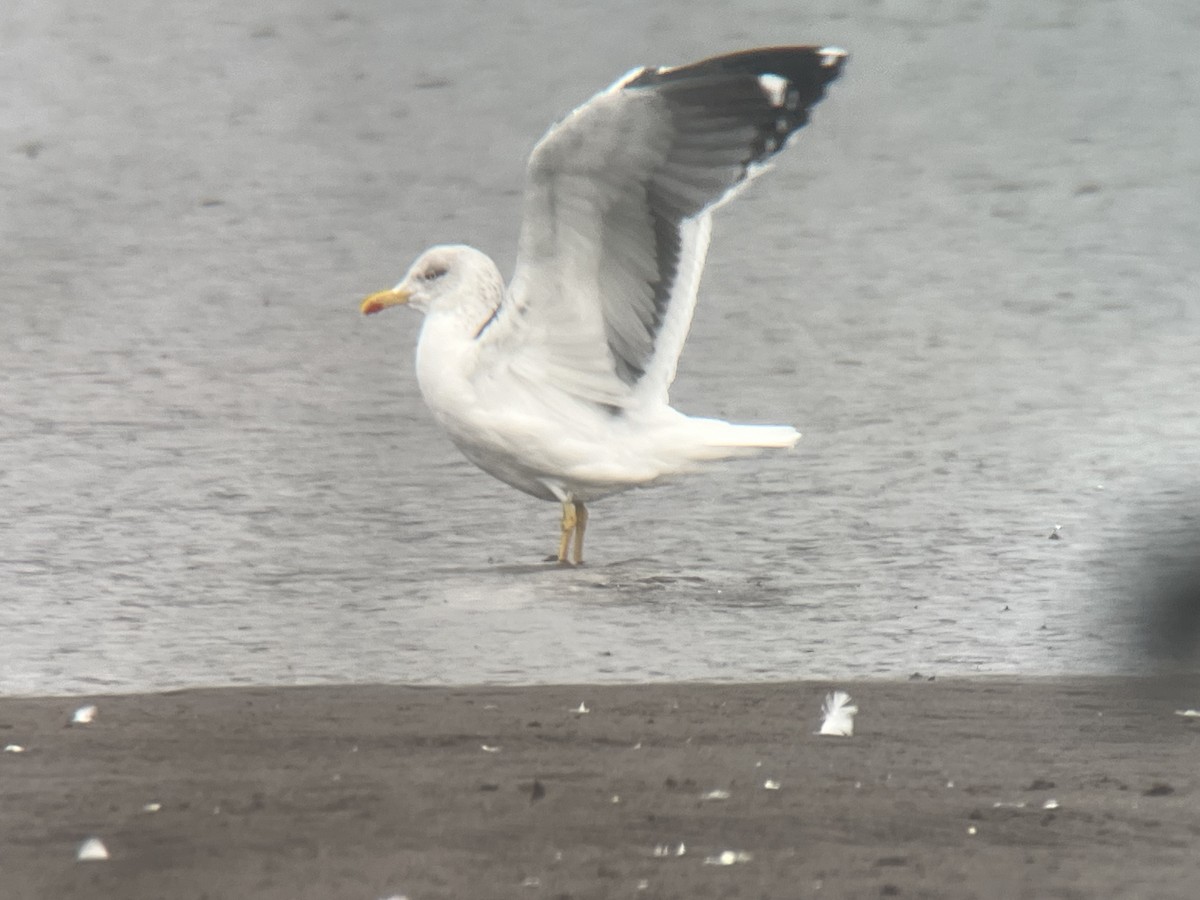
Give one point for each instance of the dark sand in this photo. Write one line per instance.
(372, 792)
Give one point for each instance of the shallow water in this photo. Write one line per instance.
(971, 283)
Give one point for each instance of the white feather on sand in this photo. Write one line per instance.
(839, 712)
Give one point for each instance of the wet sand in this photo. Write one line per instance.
(1048, 788)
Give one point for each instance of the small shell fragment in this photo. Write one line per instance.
(488, 748)
(1188, 713)
(151, 807)
(771, 785)
(13, 748)
(84, 715)
(1050, 804)
(581, 709)
(92, 849)
(717, 794)
(728, 858)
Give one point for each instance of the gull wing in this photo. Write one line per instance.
(617, 215)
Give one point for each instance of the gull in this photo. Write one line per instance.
(557, 383)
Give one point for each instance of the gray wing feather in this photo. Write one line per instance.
(615, 224)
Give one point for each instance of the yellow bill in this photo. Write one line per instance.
(381, 301)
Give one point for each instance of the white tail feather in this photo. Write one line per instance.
(718, 439)
(767, 437)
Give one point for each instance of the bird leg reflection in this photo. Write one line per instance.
(574, 521)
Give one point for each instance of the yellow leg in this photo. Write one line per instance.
(569, 521)
(581, 517)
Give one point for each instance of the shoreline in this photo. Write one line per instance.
(958, 787)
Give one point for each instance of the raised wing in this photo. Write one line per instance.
(616, 219)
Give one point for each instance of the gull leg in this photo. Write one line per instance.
(581, 517)
(569, 521)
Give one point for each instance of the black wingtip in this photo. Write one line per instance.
(773, 89)
(807, 67)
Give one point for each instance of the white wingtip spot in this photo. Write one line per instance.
(831, 56)
(775, 87)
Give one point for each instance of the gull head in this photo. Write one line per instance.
(442, 276)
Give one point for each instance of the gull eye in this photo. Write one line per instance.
(433, 273)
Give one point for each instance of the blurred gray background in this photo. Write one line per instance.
(971, 283)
